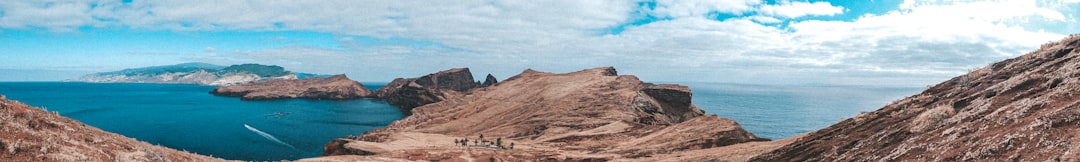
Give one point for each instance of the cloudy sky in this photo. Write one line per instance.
(862, 42)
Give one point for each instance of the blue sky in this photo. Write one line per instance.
(862, 42)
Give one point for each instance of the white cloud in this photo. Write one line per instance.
(686, 8)
(800, 9)
(765, 19)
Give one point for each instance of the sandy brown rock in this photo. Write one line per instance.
(32, 134)
(408, 93)
(336, 87)
(592, 114)
(1020, 109)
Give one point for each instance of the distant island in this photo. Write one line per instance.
(195, 73)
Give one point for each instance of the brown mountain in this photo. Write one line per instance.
(408, 93)
(32, 134)
(1020, 109)
(592, 114)
(335, 87)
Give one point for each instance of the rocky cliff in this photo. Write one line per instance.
(192, 73)
(592, 114)
(334, 87)
(407, 93)
(33, 134)
(489, 81)
(1020, 109)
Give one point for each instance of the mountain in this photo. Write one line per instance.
(1021, 109)
(194, 73)
(33, 134)
(593, 114)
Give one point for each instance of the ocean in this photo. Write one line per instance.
(187, 117)
(781, 111)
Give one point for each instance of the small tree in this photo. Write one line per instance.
(511, 145)
(465, 142)
(482, 139)
(498, 142)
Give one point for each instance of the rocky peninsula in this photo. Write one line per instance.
(337, 87)
(593, 114)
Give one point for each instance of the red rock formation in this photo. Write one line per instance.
(1020, 109)
(589, 114)
(32, 134)
(414, 92)
(335, 87)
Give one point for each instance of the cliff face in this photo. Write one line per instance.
(335, 87)
(408, 93)
(1020, 109)
(590, 114)
(32, 134)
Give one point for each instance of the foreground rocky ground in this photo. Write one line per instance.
(32, 134)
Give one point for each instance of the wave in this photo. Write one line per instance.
(269, 137)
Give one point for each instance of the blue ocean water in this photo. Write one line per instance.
(186, 117)
(781, 111)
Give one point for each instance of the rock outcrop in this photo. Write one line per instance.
(335, 87)
(592, 114)
(1020, 109)
(489, 81)
(408, 93)
(32, 134)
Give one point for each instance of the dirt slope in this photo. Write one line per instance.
(1020, 109)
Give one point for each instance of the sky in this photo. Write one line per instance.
(846, 42)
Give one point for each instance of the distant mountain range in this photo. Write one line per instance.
(194, 73)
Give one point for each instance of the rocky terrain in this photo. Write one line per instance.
(408, 93)
(32, 134)
(593, 114)
(335, 87)
(194, 73)
(1020, 109)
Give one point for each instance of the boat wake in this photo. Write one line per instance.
(268, 136)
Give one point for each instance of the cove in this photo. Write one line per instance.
(186, 117)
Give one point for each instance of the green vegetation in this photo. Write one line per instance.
(158, 70)
(260, 70)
